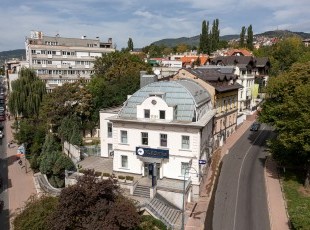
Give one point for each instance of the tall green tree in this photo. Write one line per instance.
(116, 76)
(130, 44)
(214, 36)
(181, 48)
(242, 37)
(27, 93)
(67, 100)
(204, 38)
(69, 129)
(287, 52)
(249, 40)
(53, 162)
(287, 109)
(30, 132)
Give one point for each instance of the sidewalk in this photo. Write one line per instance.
(20, 183)
(199, 218)
(276, 204)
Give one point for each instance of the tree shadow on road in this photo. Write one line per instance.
(5, 219)
(11, 160)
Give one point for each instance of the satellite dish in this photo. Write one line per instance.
(157, 71)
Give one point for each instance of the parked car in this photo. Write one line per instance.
(2, 116)
(1, 134)
(255, 126)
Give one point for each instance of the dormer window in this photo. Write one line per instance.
(158, 94)
(162, 114)
(146, 113)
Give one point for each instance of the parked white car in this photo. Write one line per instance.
(1, 134)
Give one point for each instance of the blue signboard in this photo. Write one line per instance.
(155, 153)
(202, 162)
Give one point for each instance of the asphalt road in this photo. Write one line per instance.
(240, 199)
(4, 216)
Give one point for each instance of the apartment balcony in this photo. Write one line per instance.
(52, 77)
(246, 76)
(62, 57)
(62, 66)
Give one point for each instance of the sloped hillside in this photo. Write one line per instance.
(9, 55)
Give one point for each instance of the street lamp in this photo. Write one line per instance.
(183, 203)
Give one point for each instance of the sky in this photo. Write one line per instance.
(145, 21)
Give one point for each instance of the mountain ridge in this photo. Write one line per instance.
(194, 41)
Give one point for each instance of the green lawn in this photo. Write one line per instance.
(298, 200)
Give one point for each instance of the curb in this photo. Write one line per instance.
(267, 191)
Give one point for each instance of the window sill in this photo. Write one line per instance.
(127, 169)
(123, 144)
(185, 150)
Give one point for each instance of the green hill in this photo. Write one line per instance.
(283, 34)
(9, 55)
(194, 41)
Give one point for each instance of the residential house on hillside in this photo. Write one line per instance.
(306, 42)
(221, 83)
(191, 61)
(238, 52)
(57, 59)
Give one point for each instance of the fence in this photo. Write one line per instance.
(90, 150)
(72, 151)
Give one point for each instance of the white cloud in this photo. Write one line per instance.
(142, 13)
(145, 21)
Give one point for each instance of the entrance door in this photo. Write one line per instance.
(148, 170)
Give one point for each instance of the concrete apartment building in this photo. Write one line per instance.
(57, 60)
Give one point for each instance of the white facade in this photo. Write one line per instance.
(57, 60)
(171, 63)
(154, 130)
(246, 79)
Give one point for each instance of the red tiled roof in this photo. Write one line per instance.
(243, 52)
(191, 59)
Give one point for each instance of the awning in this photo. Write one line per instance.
(151, 159)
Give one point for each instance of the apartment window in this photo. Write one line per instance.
(162, 114)
(185, 142)
(146, 113)
(144, 138)
(124, 161)
(163, 140)
(123, 137)
(110, 148)
(109, 129)
(184, 168)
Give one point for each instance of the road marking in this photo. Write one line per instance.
(237, 196)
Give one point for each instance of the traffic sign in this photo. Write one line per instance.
(202, 162)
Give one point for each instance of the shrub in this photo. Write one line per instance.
(97, 174)
(129, 178)
(149, 222)
(82, 171)
(106, 174)
(121, 177)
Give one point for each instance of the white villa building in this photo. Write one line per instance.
(162, 133)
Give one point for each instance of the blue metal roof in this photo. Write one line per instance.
(188, 97)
